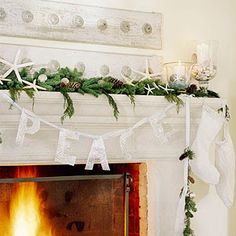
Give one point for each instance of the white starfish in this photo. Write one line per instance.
(33, 86)
(127, 80)
(166, 88)
(146, 74)
(149, 89)
(3, 79)
(15, 66)
(156, 86)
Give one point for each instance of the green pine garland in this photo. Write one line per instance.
(96, 86)
(190, 204)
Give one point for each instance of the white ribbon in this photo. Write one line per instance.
(123, 144)
(64, 145)
(97, 152)
(23, 127)
(180, 217)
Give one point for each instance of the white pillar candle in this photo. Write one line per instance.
(179, 70)
(202, 53)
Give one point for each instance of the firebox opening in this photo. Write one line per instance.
(64, 200)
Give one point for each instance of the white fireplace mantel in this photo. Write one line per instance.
(94, 116)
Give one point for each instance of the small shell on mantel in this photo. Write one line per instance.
(27, 16)
(42, 78)
(3, 14)
(65, 81)
(126, 71)
(125, 26)
(102, 24)
(80, 66)
(53, 66)
(26, 60)
(104, 70)
(53, 19)
(147, 28)
(78, 21)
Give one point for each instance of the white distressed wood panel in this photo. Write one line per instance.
(65, 21)
(94, 62)
(94, 116)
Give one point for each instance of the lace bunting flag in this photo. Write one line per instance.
(24, 128)
(158, 129)
(97, 152)
(64, 145)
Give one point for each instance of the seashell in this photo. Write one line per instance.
(102, 24)
(80, 66)
(27, 16)
(54, 19)
(65, 81)
(78, 21)
(147, 28)
(194, 58)
(42, 78)
(3, 14)
(26, 60)
(125, 26)
(3, 67)
(126, 71)
(53, 66)
(104, 70)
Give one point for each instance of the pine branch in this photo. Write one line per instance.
(112, 103)
(173, 98)
(68, 104)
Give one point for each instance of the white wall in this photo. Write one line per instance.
(186, 20)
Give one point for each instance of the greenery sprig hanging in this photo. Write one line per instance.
(67, 81)
(190, 204)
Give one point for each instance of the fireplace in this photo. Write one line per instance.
(154, 193)
(69, 201)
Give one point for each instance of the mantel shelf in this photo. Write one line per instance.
(94, 116)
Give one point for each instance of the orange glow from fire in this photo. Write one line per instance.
(25, 215)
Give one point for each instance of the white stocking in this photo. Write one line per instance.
(225, 163)
(210, 124)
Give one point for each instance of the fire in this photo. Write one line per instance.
(25, 214)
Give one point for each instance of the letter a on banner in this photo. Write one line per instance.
(97, 152)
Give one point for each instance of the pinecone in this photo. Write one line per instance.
(191, 89)
(183, 156)
(191, 179)
(116, 83)
(75, 85)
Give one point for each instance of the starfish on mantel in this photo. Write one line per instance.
(163, 88)
(127, 80)
(3, 79)
(146, 74)
(166, 88)
(15, 66)
(33, 86)
(149, 89)
(156, 86)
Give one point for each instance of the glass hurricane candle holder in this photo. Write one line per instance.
(178, 74)
(204, 62)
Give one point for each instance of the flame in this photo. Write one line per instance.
(25, 214)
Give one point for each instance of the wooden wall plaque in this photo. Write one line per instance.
(51, 20)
